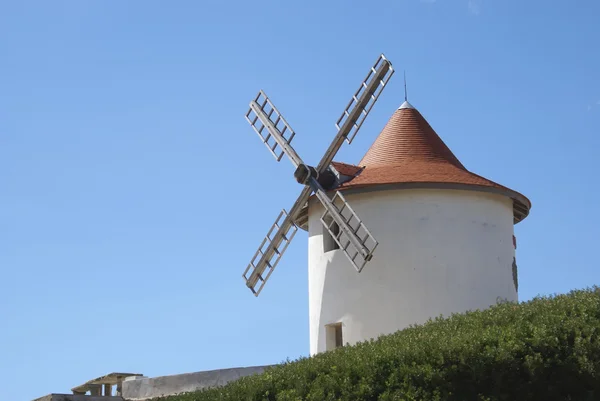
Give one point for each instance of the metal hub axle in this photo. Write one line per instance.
(304, 173)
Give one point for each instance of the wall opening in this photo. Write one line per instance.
(334, 336)
(515, 274)
(514, 267)
(329, 244)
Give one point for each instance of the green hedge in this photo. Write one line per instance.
(544, 349)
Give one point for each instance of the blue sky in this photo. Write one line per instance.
(133, 192)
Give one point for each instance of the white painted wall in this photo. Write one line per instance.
(440, 251)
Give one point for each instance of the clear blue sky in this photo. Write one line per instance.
(133, 192)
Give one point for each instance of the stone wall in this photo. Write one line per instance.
(144, 388)
(76, 397)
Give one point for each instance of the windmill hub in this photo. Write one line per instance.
(304, 173)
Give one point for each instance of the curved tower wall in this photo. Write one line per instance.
(440, 252)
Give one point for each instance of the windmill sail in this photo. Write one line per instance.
(270, 252)
(339, 219)
(352, 236)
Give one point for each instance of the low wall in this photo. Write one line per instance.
(76, 397)
(147, 388)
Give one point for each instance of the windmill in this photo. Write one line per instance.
(338, 218)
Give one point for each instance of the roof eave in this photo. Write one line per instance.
(521, 204)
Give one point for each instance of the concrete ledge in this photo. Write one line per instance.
(76, 397)
(139, 389)
(96, 385)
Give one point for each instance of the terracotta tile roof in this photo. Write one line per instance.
(346, 169)
(408, 137)
(408, 151)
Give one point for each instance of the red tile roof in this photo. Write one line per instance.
(346, 169)
(409, 152)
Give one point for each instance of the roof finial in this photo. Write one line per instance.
(405, 105)
(405, 91)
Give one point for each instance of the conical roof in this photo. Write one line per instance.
(408, 152)
(408, 138)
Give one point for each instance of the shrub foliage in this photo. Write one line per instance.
(544, 349)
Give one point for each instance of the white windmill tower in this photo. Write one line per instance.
(445, 235)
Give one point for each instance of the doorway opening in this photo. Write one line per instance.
(334, 334)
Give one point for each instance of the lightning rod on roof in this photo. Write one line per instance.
(405, 91)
